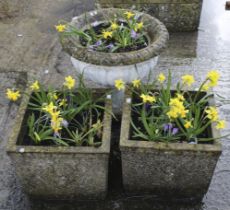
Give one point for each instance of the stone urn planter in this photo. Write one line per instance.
(177, 15)
(60, 172)
(171, 170)
(104, 68)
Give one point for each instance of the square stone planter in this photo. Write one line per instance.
(59, 172)
(172, 170)
(177, 15)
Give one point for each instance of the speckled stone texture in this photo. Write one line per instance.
(52, 172)
(175, 170)
(156, 32)
(11, 8)
(177, 15)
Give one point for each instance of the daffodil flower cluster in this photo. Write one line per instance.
(56, 119)
(177, 108)
(156, 105)
(69, 116)
(148, 98)
(213, 115)
(119, 34)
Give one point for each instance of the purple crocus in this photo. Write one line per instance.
(110, 46)
(147, 106)
(167, 127)
(98, 43)
(133, 34)
(136, 17)
(175, 131)
(57, 135)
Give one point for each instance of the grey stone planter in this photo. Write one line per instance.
(56, 172)
(104, 68)
(177, 15)
(175, 170)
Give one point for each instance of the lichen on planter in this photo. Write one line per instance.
(59, 172)
(105, 68)
(177, 15)
(173, 170)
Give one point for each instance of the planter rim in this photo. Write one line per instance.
(116, 59)
(125, 142)
(12, 146)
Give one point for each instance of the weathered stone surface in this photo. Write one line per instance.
(177, 15)
(11, 8)
(156, 32)
(61, 172)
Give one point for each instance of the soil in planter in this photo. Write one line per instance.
(25, 139)
(97, 30)
(136, 119)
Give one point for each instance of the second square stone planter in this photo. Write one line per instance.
(174, 170)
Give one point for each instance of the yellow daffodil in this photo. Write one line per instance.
(161, 78)
(221, 124)
(129, 14)
(139, 26)
(188, 124)
(177, 109)
(175, 102)
(173, 113)
(69, 82)
(63, 102)
(136, 83)
(182, 112)
(213, 77)
(35, 86)
(53, 95)
(97, 125)
(119, 84)
(107, 34)
(55, 115)
(60, 27)
(114, 25)
(50, 108)
(205, 87)
(180, 97)
(212, 113)
(148, 98)
(56, 124)
(188, 79)
(176, 112)
(12, 95)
